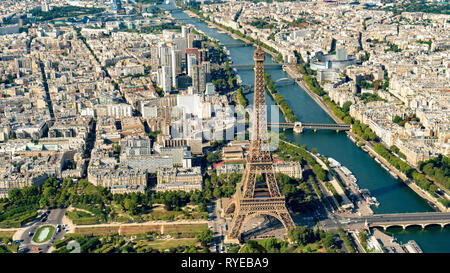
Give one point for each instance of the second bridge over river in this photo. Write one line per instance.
(299, 126)
(404, 220)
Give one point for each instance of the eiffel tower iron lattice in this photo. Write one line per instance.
(258, 192)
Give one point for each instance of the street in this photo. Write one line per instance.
(54, 218)
(218, 225)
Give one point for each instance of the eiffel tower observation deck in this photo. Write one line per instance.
(258, 192)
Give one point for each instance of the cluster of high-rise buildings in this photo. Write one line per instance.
(181, 62)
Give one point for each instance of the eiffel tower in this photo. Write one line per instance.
(258, 192)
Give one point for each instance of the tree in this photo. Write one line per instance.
(253, 247)
(319, 172)
(363, 236)
(204, 237)
(212, 157)
(329, 240)
(346, 106)
(130, 205)
(301, 235)
(217, 193)
(347, 120)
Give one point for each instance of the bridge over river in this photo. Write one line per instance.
(299, 126)
(404, 220)
(250, 66)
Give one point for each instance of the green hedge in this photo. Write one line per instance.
(18, 216)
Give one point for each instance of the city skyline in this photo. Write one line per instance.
(139, 120)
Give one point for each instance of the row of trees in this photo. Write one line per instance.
(196, 9)
(418, 178)
(395, 161)
(396, 150)
(279, 99)
(438, 169)
(313, 85)
(364, 131)
(337, 111)
(175, 200)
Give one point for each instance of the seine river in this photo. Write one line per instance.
(393, 195)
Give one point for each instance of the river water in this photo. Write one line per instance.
(393, 195)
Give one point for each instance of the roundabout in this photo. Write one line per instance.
(43, 234)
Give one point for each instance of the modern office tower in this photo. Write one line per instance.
(166, 79)
(184, 31)
(199, 77)
(191, 38)
(191, 61)
(203, 74)
(177, 57)
(195, 79)
(180, 44)
(203, 53)
(155, 57)
(165, 55)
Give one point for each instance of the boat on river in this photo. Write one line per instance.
(372, 201)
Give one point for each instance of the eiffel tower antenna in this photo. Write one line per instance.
(258, 192)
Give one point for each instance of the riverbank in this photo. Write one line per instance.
(425, 195)
(222, 28)
(314, 96)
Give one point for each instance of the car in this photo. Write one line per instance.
(30, 233)
(23, 250)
